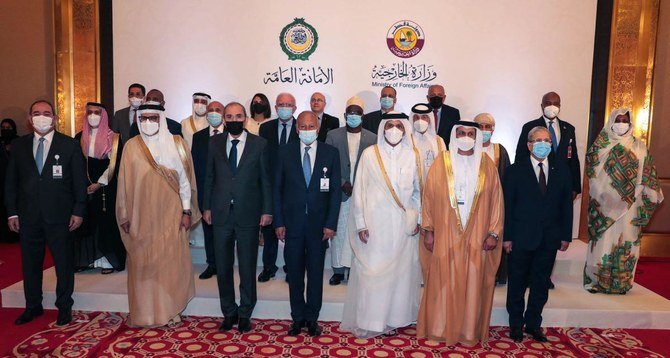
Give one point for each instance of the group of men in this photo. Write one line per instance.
(400, 200)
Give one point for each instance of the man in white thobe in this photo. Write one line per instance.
(197, 121)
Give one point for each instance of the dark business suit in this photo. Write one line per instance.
(237, 197)
(535, 224)
(448, 118)
(328, 123)
(567, 148)
(121, 123)
(270, 131)
(44, 206)
(199, 151)
(304, 210)
(173, 126)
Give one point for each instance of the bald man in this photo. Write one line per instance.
(306, 194)
(156, 97)
(326, 122)
(199, 150)
(444, 117)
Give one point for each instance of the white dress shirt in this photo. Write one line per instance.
(47, 144)
(557, 129)
(131, 115)
(312, 153)
(240, 146)
(289, 125)
(536, 168)
(219, 129)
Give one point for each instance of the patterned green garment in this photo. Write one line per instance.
(624, 192)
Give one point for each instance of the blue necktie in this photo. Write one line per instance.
(39, 156)
(552, 132)
(232, 157)
(282, 139)
(307, 166)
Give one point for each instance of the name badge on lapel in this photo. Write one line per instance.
(57, 170)
(324, 183)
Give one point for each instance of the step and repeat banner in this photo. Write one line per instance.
(491, 56)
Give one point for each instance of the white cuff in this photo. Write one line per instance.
(186, 204)
(13, 216)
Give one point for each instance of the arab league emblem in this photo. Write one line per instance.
(298, 40)
(405, 39)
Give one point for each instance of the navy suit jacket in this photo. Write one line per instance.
(293, 197)
(567, 148)
(533, 220)
(448, 118)
(199, 150)
(270, 132)
(328, 123)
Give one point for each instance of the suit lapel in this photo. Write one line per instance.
(49, 159)
(318, 166)
(552, 177)
(293, 135)
(248, 146)
(530, 173)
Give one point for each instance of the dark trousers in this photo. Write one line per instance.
(528, 269)
(303, 253)
(226, 237)
(269, 248)
(501, 274)
(208, 232)
(61, 245)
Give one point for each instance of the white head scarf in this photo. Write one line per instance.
(161, 145)
(466, 168)
(430, 132)
(200, 95)
(453, 148)
(406, 141)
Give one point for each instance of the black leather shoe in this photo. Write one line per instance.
(336, 279)
(516, 335)
(537, 334)
(208, 273)
(266, 275)
(551, 284)
(228, 323)
(313, 328)
(64, 317)
(28, 315)
(296, 328)
(244, 325)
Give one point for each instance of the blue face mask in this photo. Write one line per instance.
(486, 136)
(285, 113)
(354, 120)
(214, 119)
(386, 102)
(308, 136)
(541, 149)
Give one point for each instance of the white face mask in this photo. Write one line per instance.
(199, 109)
(149, 128)
(94, 120)
(393, 135)
(42, 124)
(620, 128)
(135, 102)
(421, 126)
(465, 143)
(551, 111)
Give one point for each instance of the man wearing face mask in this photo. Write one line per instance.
(387, 102)
(277, 132)
(326, 122)
(199, 151)
(98, 243)
(45, 197)
(463, 219)
(538, 222)
(444, 117)
(155, 220)
(350, 142)
(125, 117)
(498, 154)
(306, 194)
(429, 145)
(155, 97)
(197, 120)
(383, 289)
(237, 201)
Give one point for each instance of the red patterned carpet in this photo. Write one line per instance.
(107, 335)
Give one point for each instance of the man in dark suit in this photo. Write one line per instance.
(564, 145)
(444, 116)
(538, 222)
(156, 97)
(199, 150)
(277, 132)
(306, 198)
(238, 200)
(387, 101)
(326, 122)
(124, 118)
(45, 190)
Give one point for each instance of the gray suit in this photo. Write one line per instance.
(121, 123)
(338, 139)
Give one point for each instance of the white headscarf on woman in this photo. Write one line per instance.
(465, 169)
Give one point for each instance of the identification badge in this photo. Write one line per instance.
(57, 171)
(324, 183)
(460, 195)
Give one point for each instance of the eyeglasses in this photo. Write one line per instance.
(149, 118)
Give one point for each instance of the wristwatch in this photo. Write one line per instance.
(495, 236)
(186, 212)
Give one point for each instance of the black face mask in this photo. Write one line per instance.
(436, 102)
(235, 128)
(6, 133)
(259, 108)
